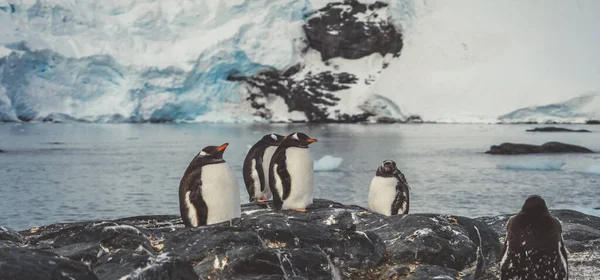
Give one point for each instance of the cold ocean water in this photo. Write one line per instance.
(73, 172)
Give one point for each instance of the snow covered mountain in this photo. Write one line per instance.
(580, 109)
(291, 60)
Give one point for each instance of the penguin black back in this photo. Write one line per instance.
(534, 248)
(253, 164)
(282, 175)
(192, 178)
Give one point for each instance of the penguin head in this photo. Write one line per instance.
(534, 204)
(211, 154)
(387, 167)
(298, 139)
(272, 139)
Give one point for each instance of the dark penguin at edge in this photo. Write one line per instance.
(209, 191)
(389, 190)
(256, 167)
(534, 247)
(291, 175)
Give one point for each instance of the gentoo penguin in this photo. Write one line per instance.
(533, 247)
(388, 194)
(209, 191)
(256, 167)
(291, 177)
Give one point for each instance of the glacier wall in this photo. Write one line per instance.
(149, 60)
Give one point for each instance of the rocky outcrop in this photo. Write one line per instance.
(352, 30)
(321, 90)
(311, 95)
(550, 147)
(556, 129)
(330, 241)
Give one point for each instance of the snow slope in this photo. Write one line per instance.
(576, 110)
(156, 60)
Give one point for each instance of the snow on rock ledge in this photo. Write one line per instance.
(348, 45)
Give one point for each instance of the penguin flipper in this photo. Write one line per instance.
(400, 204)
(279, 175)
(261, 174)
(284, 176)
(198, 202)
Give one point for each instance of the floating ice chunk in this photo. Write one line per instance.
(327, 163)
(533, 165)
(592, 169)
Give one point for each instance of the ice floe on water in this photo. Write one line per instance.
(548, 165)
(592, 169)
(327, 163)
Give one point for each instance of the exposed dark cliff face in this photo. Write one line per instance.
(348, 30)
(330, 241)
(352, 30)
(312, 95)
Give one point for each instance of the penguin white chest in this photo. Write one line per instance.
(382, 194)
(269, 151)
(299, 163)
(221, 193)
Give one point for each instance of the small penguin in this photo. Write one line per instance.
(291, 177)
(388, 194)
(534, 247)
(209, 191)
(256, 167)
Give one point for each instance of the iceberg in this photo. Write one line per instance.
(544, 165)
(327, 163)
(592, 169)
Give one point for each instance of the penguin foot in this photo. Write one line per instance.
(261, 200)
(300, 209)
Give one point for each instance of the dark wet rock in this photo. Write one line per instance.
(7, 234)
(9, 238)
(59, 118)
(21, 263)
(2, 151)
(556, 129)
(330, 240)
(592, 122)
(352, 30)
(550, 147)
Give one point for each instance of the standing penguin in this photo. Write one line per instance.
(534, 247)
(388, 194)
(256, 167)
(291, 177)
(209, 192)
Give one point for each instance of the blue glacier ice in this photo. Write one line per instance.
(138, 60)
(143, 60)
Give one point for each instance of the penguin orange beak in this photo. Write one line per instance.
(311, 140)
(284, 137)
(222, 147)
